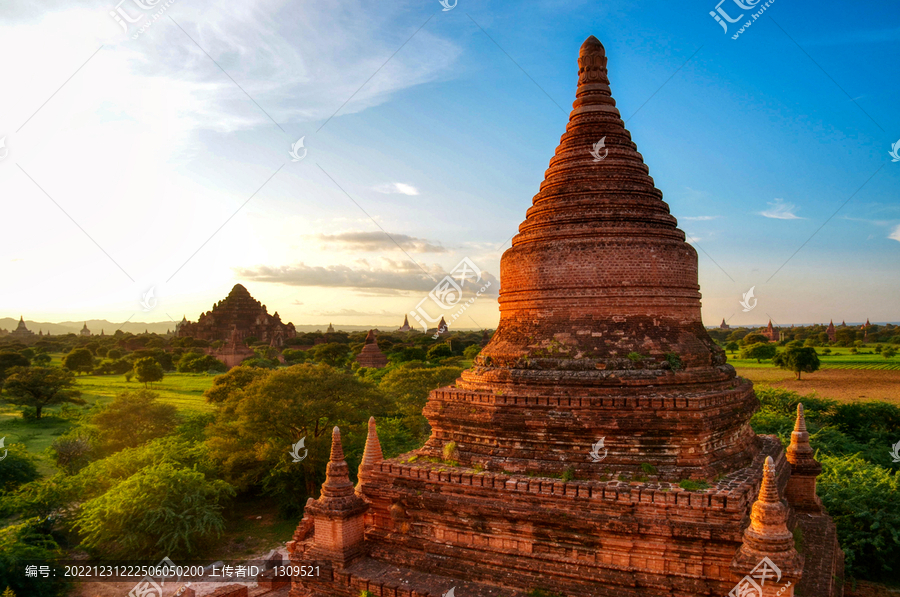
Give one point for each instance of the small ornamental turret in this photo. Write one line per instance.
(801, 487)
(767, 563)
(338, 514)
(372, 455)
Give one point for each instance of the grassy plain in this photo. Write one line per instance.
(843, 376)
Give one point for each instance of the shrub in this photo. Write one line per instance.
(635, 357)
(19, 467)
(691, 485)
(136, 518)
(192, 362)
(864, 501)
(28, 541)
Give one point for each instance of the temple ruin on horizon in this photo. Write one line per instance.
(238, 313)
(557, 461)
(371, 355)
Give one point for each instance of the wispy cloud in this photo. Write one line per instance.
(389, 274)
(895, 234)
(700, 218)
(779, 210)
(377, 242)
(397, 188)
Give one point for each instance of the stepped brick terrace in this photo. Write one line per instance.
(600, 445)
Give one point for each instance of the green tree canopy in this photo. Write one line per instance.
(162, 510)
(40, 386)
(256, 427)
(797, 359)
(233, 381)
(147, 370)
(8, 360)
(131, 419)
(80, 360)
(754, 338)
(333, 354)
(408, 387)
(758, 351)
(18, 467)
(439, 351)
(731, 347)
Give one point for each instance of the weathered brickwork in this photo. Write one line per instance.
(600, 338)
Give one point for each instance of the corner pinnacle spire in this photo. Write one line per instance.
(337, 474)
(372, 454)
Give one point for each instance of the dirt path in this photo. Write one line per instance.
(841, 384)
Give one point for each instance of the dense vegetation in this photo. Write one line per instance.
(138, 477)
(859, 485)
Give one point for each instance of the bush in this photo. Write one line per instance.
(864, 501)
(131, 419)
(28, 541)
(439, 351)
(72, 453)
(19, 467)
(137, 519)
(192, 362)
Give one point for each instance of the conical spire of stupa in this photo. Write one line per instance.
(337, 474)
(372, 454)
(800, 452)
(768, 535)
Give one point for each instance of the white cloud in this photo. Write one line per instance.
(895, 234)
(779, 210)
(378, 241)
(701, 218)
(397, 187)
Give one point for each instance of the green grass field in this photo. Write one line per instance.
(840, 358)
(184, 390)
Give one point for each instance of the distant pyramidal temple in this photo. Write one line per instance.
(238, 313)
(21, 330)
(371, 355)
(560, 461)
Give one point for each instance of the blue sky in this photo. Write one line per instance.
(163, 165)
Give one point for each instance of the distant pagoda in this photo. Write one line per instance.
(405, 327)
(238, 312)
(85, 331)
(21, 331)
(371, 355)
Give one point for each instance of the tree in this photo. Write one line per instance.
(8, 360)
(256, 427)
(471, 351)
(754, 338)
(333, 354)
(131, 419)
(759, 351)
(80, 360)
(227, 385)
(888, 352)
(18, 467)
(136, 518)
(193, 362)
(25, 542)
(731, 347)
(42, 359)
(409, 387)
(439, 351)
(40, 387)
(147, 370)
(797, 359)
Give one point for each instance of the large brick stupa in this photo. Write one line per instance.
(600, 445)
